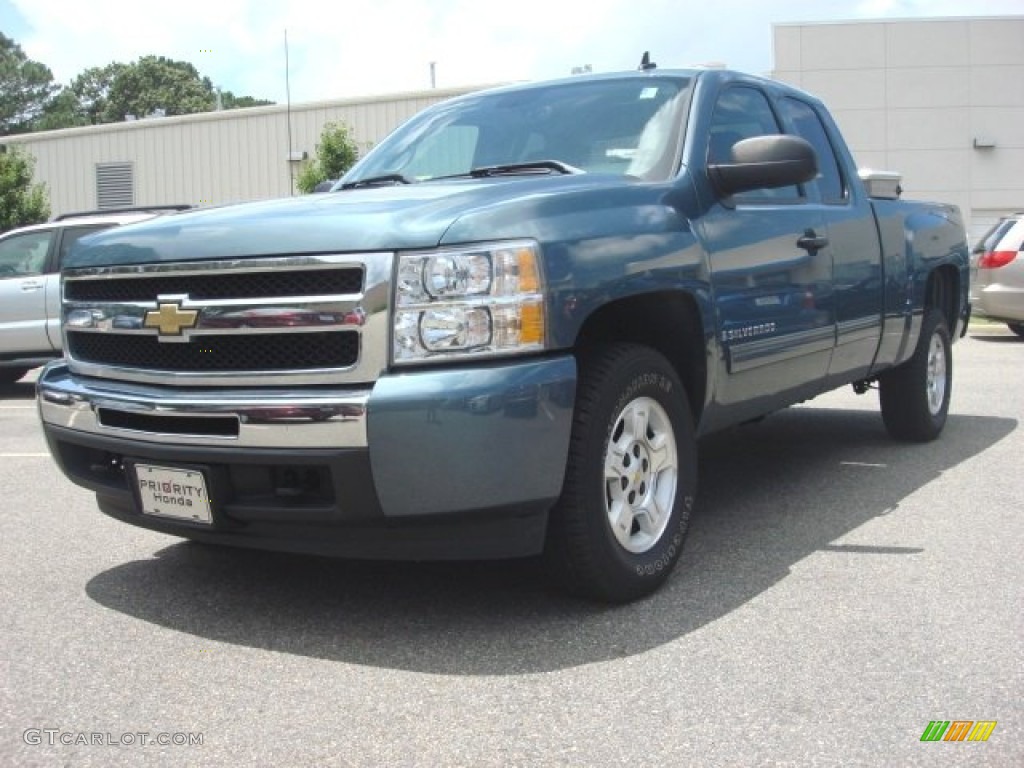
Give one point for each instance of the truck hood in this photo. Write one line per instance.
(374, 219)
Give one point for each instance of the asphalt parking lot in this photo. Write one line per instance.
(838, 592)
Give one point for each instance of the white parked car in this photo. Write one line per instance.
(30, 262)
(997, 273)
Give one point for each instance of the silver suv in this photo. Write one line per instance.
(997, 273)
(30, 261)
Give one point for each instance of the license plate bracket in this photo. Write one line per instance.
(177, 493)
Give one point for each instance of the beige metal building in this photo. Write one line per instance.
(939, 100)
(205, 159)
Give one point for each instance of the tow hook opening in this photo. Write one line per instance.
(864, 386)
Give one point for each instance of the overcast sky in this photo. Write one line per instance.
(342, 48)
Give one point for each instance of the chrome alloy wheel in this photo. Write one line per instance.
(641, 469)
(936, 374)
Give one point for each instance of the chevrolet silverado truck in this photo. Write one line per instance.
(503, 332)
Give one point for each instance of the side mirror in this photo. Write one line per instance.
(765, 162)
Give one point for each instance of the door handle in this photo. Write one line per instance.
(812, 241)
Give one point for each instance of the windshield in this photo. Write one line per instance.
(628, 126)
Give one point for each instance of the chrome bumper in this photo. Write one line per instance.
(272, 418)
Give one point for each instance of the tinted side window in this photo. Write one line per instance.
(994, 235)
(72, 235)
(24, 255)
(742, 113)
(808, 126)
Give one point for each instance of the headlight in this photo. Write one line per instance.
(479, 300)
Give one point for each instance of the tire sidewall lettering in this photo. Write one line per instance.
(644, 382)
(673, 547)
(639, 387)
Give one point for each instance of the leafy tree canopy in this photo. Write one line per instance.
(157, 83)
(335, 154)
(153, 85)
(228, 100)
(21, 201)
(62, 111)
(26, 87)
(91, 90)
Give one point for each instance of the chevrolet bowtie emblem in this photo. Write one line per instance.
(170, 319)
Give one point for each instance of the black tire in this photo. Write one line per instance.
(1017, 328)
(656, 472)
(915, 396)
(11, 375)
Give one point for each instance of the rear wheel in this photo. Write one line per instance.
(915, 396)
(1017, 328)
(619, 526)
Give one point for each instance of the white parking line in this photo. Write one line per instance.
(22, 455)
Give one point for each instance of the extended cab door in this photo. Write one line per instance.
(853, 242)
(771, 270)
(23, 260)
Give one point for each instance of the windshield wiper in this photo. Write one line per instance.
(511, 169)
(384, 178)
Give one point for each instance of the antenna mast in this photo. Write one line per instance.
(288, 99)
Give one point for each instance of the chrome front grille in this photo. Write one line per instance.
(277, 321)
(263, 352)
(248, 285)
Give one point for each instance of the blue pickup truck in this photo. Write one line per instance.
(503, 332)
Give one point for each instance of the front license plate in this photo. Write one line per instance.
(177, 493)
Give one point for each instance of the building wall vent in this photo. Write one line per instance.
(115, 185)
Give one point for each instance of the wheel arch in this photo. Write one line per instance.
(667, 321)
(942, 292)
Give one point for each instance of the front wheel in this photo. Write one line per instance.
(915, 396)
(619, 526)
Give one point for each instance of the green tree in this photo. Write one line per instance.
(157, 83)
(105, 94)
(26, 87)
(228, 100)
(63, 111)
(21, 201)
(31, 101)
(91, 91)
(335, 154)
